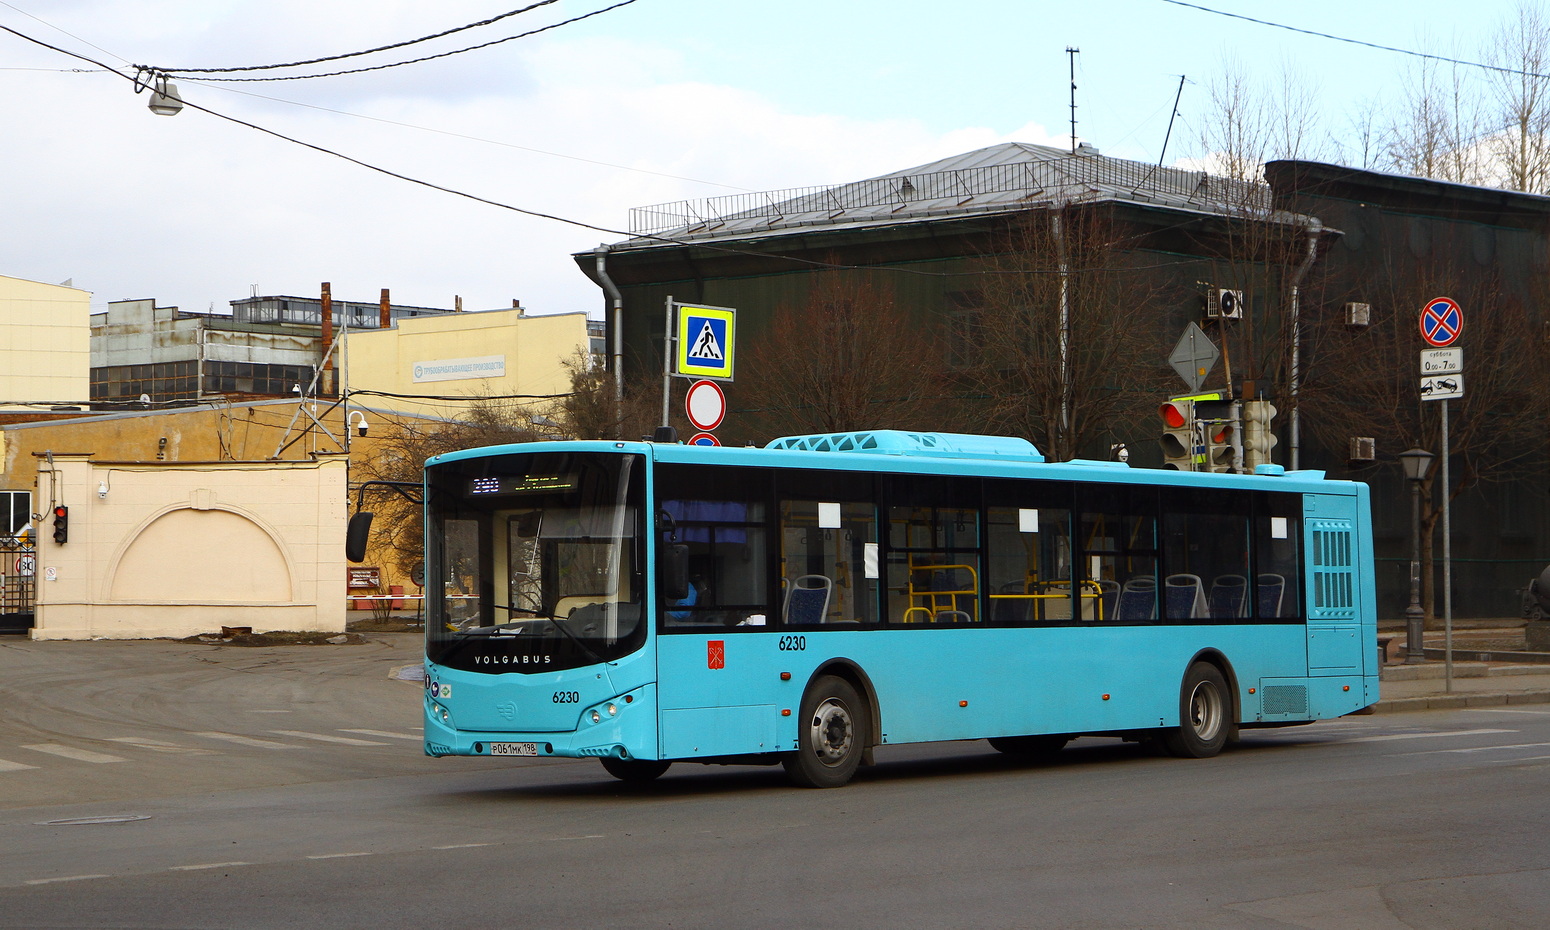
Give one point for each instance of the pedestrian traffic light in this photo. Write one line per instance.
(61, 524)
(1258, 436)
(1178, 439)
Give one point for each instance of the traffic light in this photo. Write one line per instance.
(1220, 450)
(1258, 436)
(1178, 439)
(1218, 427)
(61, 524)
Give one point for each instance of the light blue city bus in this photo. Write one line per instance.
(803, 603)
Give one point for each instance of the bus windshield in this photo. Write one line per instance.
(534, 560)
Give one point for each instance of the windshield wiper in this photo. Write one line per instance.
(552, 621)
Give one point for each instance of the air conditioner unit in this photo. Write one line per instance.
(1224, 304)
(1358, 315)
(1363, 449)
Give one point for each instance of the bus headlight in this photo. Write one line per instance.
(613, 709)
(596, 717)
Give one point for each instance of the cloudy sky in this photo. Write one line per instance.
(655, 101)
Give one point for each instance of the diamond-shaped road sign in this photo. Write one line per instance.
(1194, 356)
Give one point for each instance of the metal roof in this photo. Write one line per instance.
(997, 179)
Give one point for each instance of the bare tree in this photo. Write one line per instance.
(592, 409)
(1438, 128)
(400, 456)
(1063, 344)
(1248, 124)
(1521, 149)
(847, 358)
(1366, 382)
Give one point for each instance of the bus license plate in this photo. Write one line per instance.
(513, 749)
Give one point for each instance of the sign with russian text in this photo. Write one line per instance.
(458, 369)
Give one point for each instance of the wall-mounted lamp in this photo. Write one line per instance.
(360, 425)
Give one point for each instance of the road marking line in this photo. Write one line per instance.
(64, 878)
(1509, 710)
(1433, 735)
(384, 734)
(206, 865)
(246, 740)
(340, 855)
(157, 745)
(463, 846)
(70, 752)
(13, 766)
(268, 711)
(326, 738)
(1438, 752)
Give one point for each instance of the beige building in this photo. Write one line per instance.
(490, 353)
(45, 344)
(176, 550)
(269, 446)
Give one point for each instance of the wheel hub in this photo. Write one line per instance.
(832, 731)
(1205, 711)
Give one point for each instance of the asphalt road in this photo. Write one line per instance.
(225, 787)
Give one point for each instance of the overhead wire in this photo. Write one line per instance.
(1375, 45)
(369, 51)
(412, 61)
(139, 81)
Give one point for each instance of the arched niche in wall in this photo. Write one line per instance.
(209, 555)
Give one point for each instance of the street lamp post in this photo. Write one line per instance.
(1417, 463)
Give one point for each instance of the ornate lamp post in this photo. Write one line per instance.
(1417, 463)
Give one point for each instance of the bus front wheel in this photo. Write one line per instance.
(635, 771)
(1205, 713)
(831, 735)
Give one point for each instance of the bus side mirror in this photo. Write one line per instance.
(355, 536)
(675, 572)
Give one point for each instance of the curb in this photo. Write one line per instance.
(1460, 700)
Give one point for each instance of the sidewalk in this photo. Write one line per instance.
(1475, 684)
(1491, 668)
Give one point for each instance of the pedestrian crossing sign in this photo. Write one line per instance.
(705, 342)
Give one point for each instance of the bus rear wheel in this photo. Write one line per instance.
(831, 735)
(635, 771)
(1043, 745)
(1205, 715)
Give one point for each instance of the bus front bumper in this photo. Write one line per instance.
(623, 727)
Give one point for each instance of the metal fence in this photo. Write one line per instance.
(1059, 180)
(18, 585)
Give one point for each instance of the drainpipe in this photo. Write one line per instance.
(1315, 228)
(616, 311)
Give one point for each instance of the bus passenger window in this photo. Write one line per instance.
(1028, 568)
(1118, 540)
(934, 566)
(1206, 553)
(828, 558)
